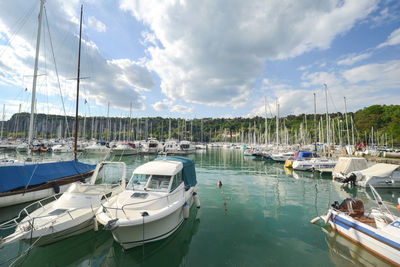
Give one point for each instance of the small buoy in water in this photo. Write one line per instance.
(398, 207)
(95, 224)
(196, 200)
(186, 211)
(219, 183)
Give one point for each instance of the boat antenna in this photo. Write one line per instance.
(77, 86)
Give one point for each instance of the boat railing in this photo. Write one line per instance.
(146, 201)
(25, 213)
(382, 207)
(69, 212)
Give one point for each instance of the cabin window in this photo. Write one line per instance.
(159, 182)
(177, 181)
(138, 181)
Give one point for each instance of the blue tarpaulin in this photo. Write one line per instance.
(301, 155)
(188, 172)
(15, 176)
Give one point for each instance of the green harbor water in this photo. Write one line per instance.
(259, 217)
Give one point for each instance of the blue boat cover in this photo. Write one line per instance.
(188, 172)
(12, 177)
(301, 155)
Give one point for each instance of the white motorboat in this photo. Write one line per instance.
(154, 204)
(98, 149)
(186, 147)
(313, 164)
(170, 147)
(248, 152)
(380, 175)
(71, 213)
(201, 146)
(377, 230)
(62, 148)
(346, 165)
(125, 149)
(152, 146)
(282, 157)
(23, 147)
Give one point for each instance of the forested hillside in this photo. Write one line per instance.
(380, 122)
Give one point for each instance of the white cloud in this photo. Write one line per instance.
(319, 78)
(181, 109)
(169, 105)
(162, 105)
(353, 58)
(383, 75)
(148, 38)
(96, 24)
(393, 39)
(362, 85)
(386, 15)
(212, 52)
(119, 82)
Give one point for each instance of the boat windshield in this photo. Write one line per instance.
(159, 183)
(138, 181)
(153, 182)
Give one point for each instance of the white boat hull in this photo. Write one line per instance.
(29, 196)
(307, 165)
(381, 182)
(63, 231)
(136, 235)
(118, 152)
(372, 239)
(97, 151)
(130, 236)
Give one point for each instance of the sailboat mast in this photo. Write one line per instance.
(77, 85)
(347, 125)
(327, 117)
(315, 122)
(277, 123)
(2, 123)
(35, 70)
(266, 122)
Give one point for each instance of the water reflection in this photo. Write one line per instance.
(99, 249)
(261, 219)
(84, 250)
(343, 252)
(171, 251)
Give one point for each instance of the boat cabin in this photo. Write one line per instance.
(163, 175)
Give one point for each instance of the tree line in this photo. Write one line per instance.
(374, 124)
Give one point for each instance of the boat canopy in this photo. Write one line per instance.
(188, 172)
(346, 165)
(301, 155)
(16, 176)
(380, 170)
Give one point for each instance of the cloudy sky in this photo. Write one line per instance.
(194, 59)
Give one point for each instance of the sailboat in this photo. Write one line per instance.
(29, 180)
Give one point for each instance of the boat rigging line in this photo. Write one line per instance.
(56, 69)
(22, 20)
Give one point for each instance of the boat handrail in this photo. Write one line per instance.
(70, 211)
(380, 203)
(146, 201)
(67, 212)
(14, 222)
